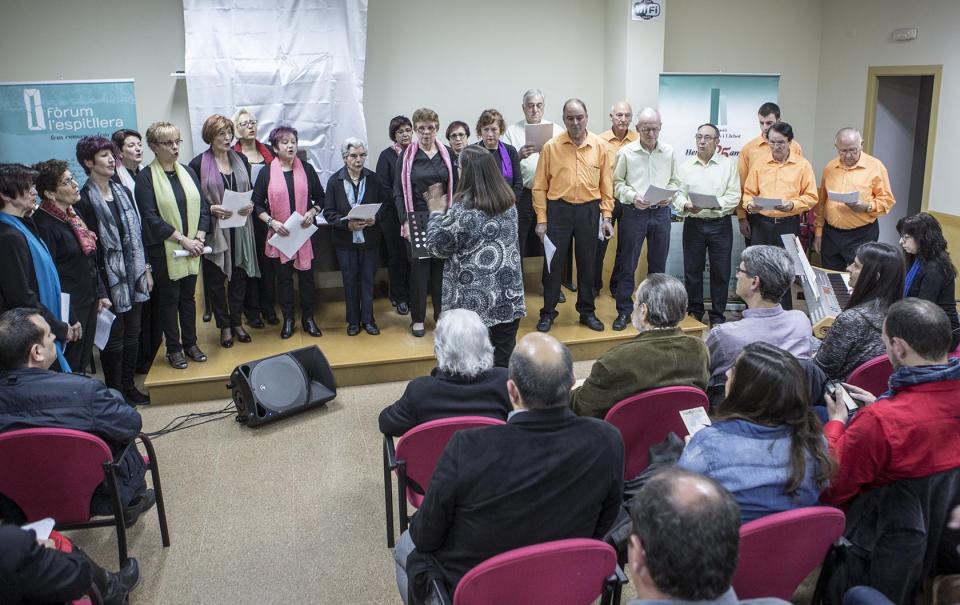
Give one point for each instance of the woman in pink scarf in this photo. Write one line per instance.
(285, 186)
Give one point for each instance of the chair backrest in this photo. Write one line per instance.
(872, 375)
(648, 417)
(52, 472)
(421, 446)
(778, 551)
(563, 571)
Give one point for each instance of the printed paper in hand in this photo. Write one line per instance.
(538, 134)
(65, 307)
(104, 322)
(702, 200)
(847, 198)
(43, 527)
(298, 236)
(694, 419)
(182, 253)
(658, 196)
(767, 203)
(362, 212)
(233, 202)
(549, 249)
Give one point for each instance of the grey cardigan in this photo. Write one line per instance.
(853, 339)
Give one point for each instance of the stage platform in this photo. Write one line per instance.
(363, 359)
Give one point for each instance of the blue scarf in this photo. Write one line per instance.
(911, 276)
(913, 375)
(354, 199)
(48, 280)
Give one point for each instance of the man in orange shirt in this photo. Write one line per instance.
(572, 188)
(758, 148)
(619, 135)
(784, 177)
(842, 226)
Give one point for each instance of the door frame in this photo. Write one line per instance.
(870, 114)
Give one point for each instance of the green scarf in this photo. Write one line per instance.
(177, 268)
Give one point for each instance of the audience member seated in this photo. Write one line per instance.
(876, 276)
(464, 383)
(931, 275)
(32, 571)
(544, 475)
(684, 542)
(659, 356)
(911, 430)
(765, 444)
(31, 396)
(764, 275)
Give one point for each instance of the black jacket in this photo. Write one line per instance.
(78, 273)
(336, 207)
(31, 398)
(545, 475)
(155, 229)
(31, 573)
(18, 279)
(442, 395)
(935, 285)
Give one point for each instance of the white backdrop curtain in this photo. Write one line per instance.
(297, 62)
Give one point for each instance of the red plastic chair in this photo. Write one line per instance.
(955, 354)
(872, 375)
(574, 572)
(53, 472)
(779, 551)
(648, 417)
(414, 458)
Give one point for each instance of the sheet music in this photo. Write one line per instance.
(233, 202)
(65, 307)
(850, 198)
(702, 200)
(767, 203)
(362, 212)
(658, 195)
(290, 244)
(694, 419)
(537, 134)
(549, 249)
(104, 323)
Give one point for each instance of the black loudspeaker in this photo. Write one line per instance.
(276, 387)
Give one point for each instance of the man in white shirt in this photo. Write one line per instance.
(516, 135)
(643, 163)
(707, 229)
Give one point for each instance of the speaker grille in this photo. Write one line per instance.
(279, 383)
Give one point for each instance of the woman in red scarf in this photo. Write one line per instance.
(73, 248)
(285, 186)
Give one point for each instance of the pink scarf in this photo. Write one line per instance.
(410, 154)
(279, 200)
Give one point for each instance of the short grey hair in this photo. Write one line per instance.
(533, 92)
(665, 297)
(461, 343)
(774, 268)
(351, 143)
(849, 131)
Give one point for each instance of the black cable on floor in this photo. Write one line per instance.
(193, 419)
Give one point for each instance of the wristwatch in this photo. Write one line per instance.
(180, 239)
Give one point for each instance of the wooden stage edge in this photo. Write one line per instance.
(363, 359)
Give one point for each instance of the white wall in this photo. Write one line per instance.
(857, 35)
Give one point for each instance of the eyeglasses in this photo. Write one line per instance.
(71, 181)
(742, 270)
(169, 144)
(247, 123)
(706, 138)
(649, 129)
(428, 128)
(457, 136)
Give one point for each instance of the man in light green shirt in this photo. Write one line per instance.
(707, 229)
(645, 162)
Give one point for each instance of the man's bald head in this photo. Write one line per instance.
(849, 144)
(648, 114)
(541, 368)
(621, 106)
(848, 136)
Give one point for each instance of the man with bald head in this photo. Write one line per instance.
(841, 227)
(684, 542)
(544, 475)
(619, 135)
(645, 162)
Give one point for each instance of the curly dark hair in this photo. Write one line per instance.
(48, 175)
(931, 245)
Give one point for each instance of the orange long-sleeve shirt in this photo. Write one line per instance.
(791, 181)
(869, 177)
(574, 174)
(758, 149)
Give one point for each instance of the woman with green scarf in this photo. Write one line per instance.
(176, 217)
(234, 256)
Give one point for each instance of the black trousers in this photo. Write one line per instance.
(151, 332)
(426, 277)
(226, 296)
(398, 263)
(702, 236)
(580, 222)
(119, 357)
(526, 221)
(652, 225)
(308, 290)
(503, 337)
(358, 267)
(766, 231)
(838, 247)
(602, 253)
(260, 297)
(78, 353)
(176, 303)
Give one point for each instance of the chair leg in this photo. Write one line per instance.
(109, 470)
(388, 498)
(157, 490)
(402, 495)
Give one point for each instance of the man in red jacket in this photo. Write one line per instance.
(912, 430)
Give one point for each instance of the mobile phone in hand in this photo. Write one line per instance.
(838, 392)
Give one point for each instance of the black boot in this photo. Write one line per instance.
(287, 330)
